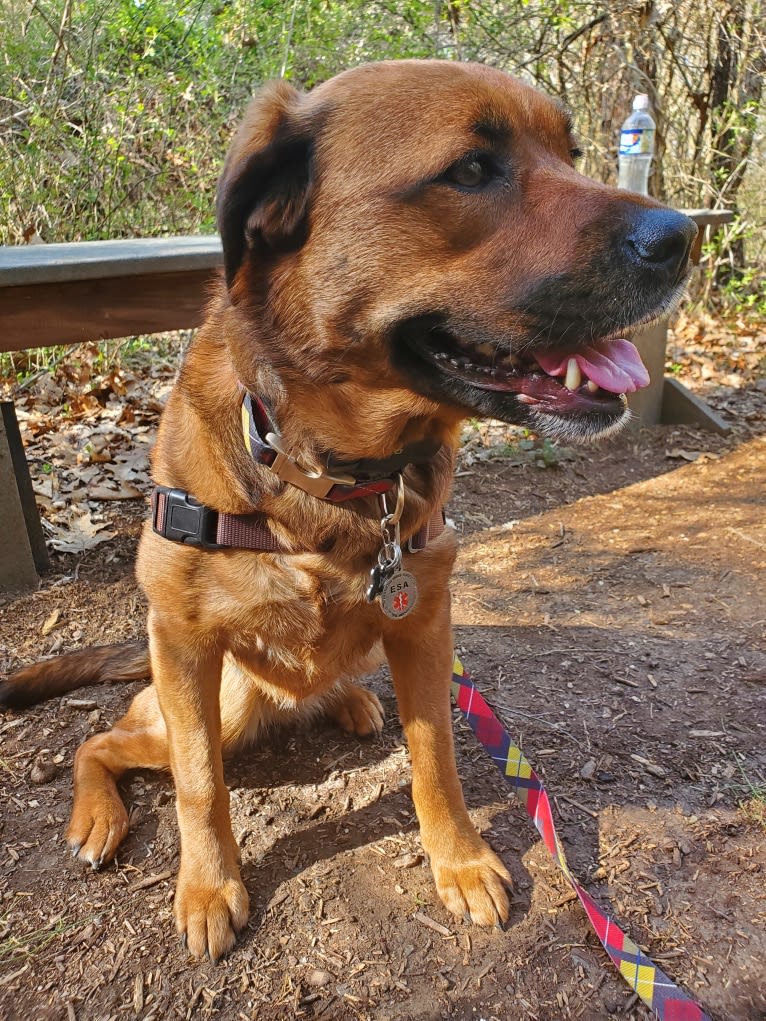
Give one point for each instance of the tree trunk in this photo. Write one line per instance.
(735, 95)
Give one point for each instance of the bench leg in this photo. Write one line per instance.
(666, 401)
(646, 404)
(22, 545)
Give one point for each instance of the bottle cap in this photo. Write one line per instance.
(641, 102)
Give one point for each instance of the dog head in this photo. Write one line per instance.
(418, 229)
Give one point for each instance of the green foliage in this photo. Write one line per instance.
(110, 121)
(740, 283)
(20, 370)
(744, 291)
(543, 453)
(115, 114)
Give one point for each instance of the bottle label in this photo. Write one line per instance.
(636, 142)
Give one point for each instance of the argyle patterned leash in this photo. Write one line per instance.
(650, 983)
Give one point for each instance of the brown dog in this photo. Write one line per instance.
(405, 246)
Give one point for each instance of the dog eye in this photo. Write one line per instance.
(470, 172)
(576, 154)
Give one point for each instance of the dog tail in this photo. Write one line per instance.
(126, 662)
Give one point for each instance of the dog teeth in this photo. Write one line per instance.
(592, 386)
(573, 378)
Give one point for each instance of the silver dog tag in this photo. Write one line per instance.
(399, 595)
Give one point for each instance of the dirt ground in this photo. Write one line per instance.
(609, 603)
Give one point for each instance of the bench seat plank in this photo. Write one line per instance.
(70, 312)
(99, 290)
(91, 260)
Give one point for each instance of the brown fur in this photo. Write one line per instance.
(128, 662)
(330, 238)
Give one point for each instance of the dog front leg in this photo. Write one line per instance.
(470, 878)
(211, 903)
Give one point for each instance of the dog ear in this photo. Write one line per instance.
(263, 193)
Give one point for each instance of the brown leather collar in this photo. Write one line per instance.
(176, 515)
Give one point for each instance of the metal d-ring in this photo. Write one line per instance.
(395, 516)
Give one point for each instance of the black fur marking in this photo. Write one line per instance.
(263, 202)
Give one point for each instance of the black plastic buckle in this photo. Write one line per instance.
(186, 520)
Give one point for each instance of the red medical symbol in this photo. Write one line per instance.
(400, 602)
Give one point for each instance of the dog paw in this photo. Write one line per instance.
(209, 917)
(474, 886)
(97, 828)
(357, 711)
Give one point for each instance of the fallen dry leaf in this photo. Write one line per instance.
(691, 455)
(124, 492)
(81, 534)
(50, 622)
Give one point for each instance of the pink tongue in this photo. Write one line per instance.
(615, 366)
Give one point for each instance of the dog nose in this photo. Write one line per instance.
(660, 239)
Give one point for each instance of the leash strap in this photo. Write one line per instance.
(651, 984)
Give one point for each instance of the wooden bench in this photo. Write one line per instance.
(66, 294)
(98, 290)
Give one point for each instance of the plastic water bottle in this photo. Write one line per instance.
(637, 148)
